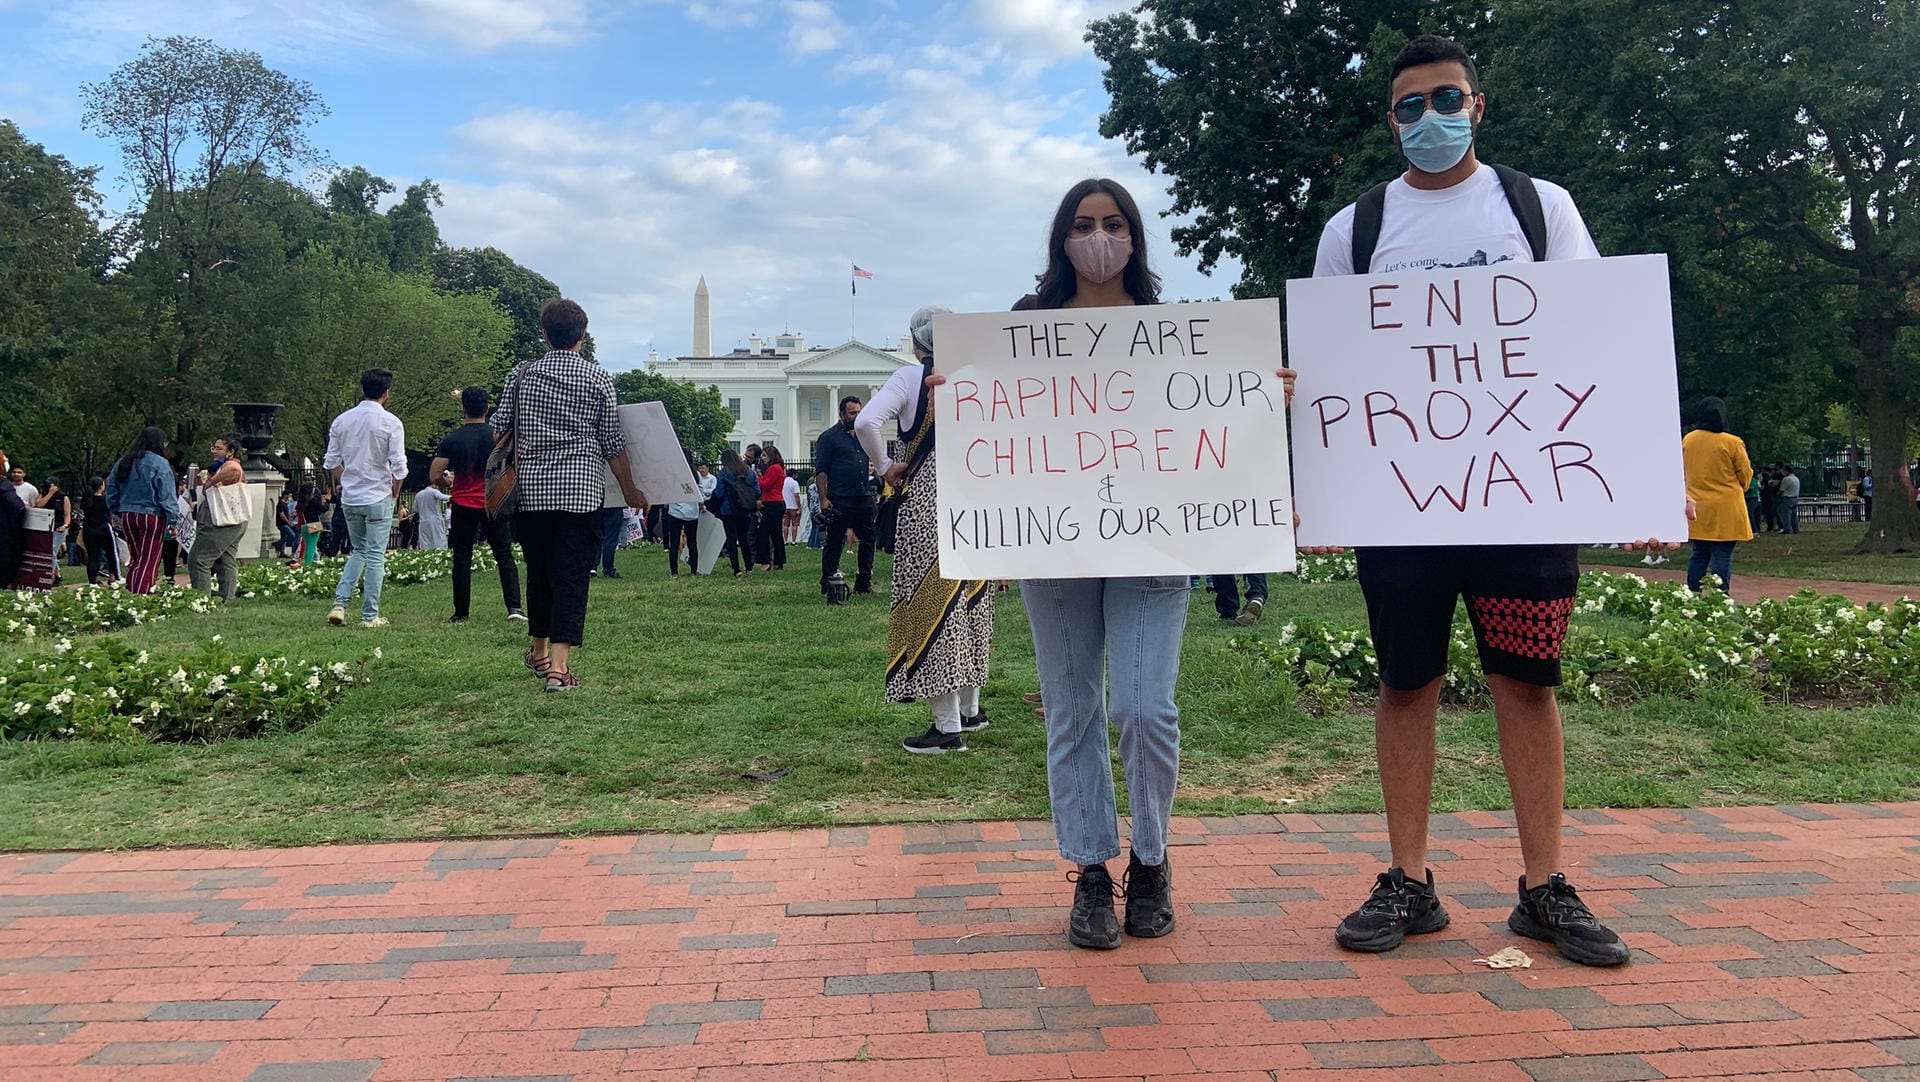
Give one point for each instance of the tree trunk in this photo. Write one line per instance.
(1896, 518)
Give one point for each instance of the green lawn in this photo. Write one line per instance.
(1816, 552)
(692, 683)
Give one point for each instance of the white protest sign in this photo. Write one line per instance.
(1095, 442)
(658, 465)
(1520, 403)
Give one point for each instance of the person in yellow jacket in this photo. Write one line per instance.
(1717, 475)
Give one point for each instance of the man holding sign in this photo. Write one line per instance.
(1450, 211)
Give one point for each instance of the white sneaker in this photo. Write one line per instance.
(337, 615)
(378, 621)
(516, 614)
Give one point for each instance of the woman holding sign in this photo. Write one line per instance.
(939, 630)
(1107, 649)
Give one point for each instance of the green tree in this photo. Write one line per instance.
(404, 238)
(699, 414)
(1265, 118)
(51, 252)
(198, 126)
(516, 290)
(1775, 148)
(355, 316)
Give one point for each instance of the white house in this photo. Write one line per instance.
(785, 393)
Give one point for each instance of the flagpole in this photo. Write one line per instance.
(853, 285)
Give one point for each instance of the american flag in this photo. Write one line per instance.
(858, 273)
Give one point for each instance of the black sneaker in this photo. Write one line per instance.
(1553, 912)
(456, 619)
(973, 723)
(1092, 923)
(1397, 908)
(1149, 891)
(934, 742)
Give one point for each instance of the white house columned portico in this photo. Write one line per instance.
(782, 393)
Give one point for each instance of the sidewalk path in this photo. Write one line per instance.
(1776, 943)
(1750, 588)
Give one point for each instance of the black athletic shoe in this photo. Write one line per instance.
(934, 742)
(1092, 922)
(973, 723)
(1149, 891)
(1553, 912)
(456, 619)
(1397, 908)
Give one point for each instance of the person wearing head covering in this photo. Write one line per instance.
(939, 630)
(1717, 474)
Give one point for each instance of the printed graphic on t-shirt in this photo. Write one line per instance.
(1477, 259)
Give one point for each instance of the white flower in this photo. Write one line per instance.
(22, 709)
(1876, 626)
(63, 646)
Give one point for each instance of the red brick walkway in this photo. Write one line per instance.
(1771, 943)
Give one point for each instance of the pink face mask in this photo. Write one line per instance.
(1099, 255)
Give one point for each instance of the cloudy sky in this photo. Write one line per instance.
(623, 148)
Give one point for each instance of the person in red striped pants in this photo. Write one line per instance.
(140, 493)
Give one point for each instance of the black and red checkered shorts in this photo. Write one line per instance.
(1519, 598)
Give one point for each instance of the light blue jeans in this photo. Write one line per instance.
(368, 527)
(1109, 649)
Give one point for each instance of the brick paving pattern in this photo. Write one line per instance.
(1770, 943)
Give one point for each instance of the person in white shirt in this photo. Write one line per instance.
(1449, 210)
(29, 495)
(1789, 501)
(430, 508)
(790, 495)
(367, 452)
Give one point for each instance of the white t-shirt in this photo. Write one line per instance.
(898, 399)
(1468, 225)
(28, 494)
(790, 493)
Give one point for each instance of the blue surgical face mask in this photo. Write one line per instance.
(1435, 143)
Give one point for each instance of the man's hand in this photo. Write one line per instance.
(635, 498)
(1313, 550)
(826, 502)
(1287, 377)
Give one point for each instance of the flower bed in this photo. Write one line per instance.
(107, 691)
(90, 609)
(82, 610)
(1680, 643)
(405, 567)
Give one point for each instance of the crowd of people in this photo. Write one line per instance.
(546, 465)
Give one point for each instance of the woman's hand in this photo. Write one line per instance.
(895, 474)
(1287, 377)
(1654, 544)
(934, 379)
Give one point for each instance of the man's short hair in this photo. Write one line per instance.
(854, 398)
(473, 401)
(1433, 49)
(375, 382)
(563, 322)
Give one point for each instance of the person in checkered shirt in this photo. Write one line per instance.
(566, 429)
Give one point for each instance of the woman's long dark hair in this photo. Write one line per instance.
(152, 439)
(1058, 284)
(1711, 415)
(731, 462)
(771, 456)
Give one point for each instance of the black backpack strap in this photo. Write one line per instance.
(1367, 213)
(1524, 198)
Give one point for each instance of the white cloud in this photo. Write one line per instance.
(814, 28)
(485, 25)
(105, 32)
(1055, 28)
(944, 189)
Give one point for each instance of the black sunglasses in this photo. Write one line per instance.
(1447, 101)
